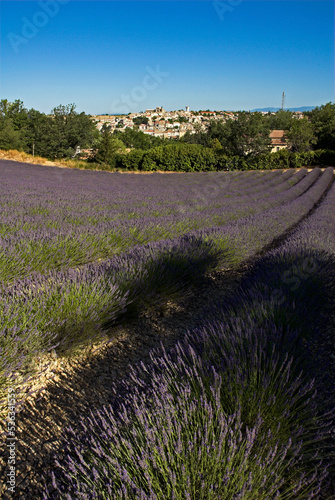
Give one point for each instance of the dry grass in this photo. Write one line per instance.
(14, 155)
(22, 157)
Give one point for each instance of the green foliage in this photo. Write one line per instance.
(237, 144)
(246, 136)
(324, 157)
(72, 130)
(301, 136)
(199, 137)
(323, 121)
(216, 145)
(9, 137)
(148, 164)
(137, 139)
(250, 131)
(282, 120)
(41, 132)
(54, 136)
(108, 147)
(288, 159)
(130, 161)
(139, 120)
(13, 122)
(181, 157)
(15, 112)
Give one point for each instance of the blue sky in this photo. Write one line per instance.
(127, 56)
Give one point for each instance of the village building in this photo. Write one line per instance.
(278, 140)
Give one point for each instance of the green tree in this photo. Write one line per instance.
(141, 120)
(216, 145)
(199, 137)
(301, 136)
(41, 132)
(9, 137)
(72, 130)
(137, 139)
(282, 120)
(323, 121)
(17, 115)
(4, 107)
(176, 156)
(248, 135)
(54, 136)
(109, 146)
(129, 161)
(218, 130)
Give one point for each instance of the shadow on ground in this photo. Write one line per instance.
(298, 289)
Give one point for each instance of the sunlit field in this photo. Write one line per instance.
(238, 409)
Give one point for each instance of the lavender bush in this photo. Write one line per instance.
(68, 219)
(235, 429)
(73, 308)
(81, 303)
(234, 411)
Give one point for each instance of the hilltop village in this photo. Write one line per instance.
(167, 124)
(164, 124)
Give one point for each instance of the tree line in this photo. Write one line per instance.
(249, 134)
(52, 136)
(241, 143)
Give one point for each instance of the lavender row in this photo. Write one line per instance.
(311, 197)
(169, 191)
(69, 298)
(318, 231)
(69, 309)
(115, 188)
(200, 431)
(66, 246)
(111, 212)
(44, 302)
(65, 207)
(233, 411)
(250, 235)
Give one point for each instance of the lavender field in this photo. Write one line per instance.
(237, 410)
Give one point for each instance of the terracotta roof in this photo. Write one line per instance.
(277, 134)
(278, 138)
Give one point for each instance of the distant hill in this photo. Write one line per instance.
(273, 110)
